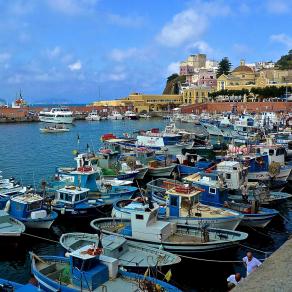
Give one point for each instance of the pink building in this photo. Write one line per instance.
(207, 78)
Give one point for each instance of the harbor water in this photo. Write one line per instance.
(31, 157)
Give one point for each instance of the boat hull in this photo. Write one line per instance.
(161, 171)
(56, 120)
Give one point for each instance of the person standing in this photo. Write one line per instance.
(250, 262)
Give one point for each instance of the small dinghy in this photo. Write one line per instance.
(129, 254)
(87, 269)
(143, 227)
(10, 227)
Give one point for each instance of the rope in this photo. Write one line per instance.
(209, 260)
(252, 248)
(39, 237)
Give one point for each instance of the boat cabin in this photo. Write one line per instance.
(145, 226)
(90, 269)
(27, 206)
(181, 199)
(275, 153)
(233, 173)
(256, 163)
(72, 195)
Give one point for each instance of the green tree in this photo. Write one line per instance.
(285, 62)
(224, 67)
(171, 77)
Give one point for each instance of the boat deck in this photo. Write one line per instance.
(183, 238)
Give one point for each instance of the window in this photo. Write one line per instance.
(271, 152)
(34, 206)
(212, 191)
(211, 77)
(139, 217)
(83, 196)
(280, 151)
(228, 175)
(77, 198)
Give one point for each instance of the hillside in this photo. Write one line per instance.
(172, 82)
(285, 61)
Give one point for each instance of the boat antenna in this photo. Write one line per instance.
(34, 184)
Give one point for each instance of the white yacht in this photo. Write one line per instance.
(57, 115)
(115, 116)
(131, 115)
(93, 116)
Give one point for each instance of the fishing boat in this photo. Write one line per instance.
(55, 129)
(130, 254)
(88, 177)
(87, 269)
(30, 210)
(9, 226)
(145, 228)
(160, 169)
(73, 202)
(215, 193)
(57, 115)
(10, 286)
(93, 116)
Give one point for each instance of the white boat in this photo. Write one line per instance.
(131, 115)
(129, 254)
(144, 228)
(144, 116)
(54, 129)
(10, 227)
(158, 169)
(57, 115)
(93, 116)
(115, 116)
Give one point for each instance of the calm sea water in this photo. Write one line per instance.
(31, 156)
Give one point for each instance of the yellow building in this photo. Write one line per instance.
(243, 77)
(196, 94)
(152, 102)
(109, 103)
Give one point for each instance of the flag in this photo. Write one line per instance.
(168, 276)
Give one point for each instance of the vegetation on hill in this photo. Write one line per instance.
(172, 84)
(285, 61)
(224, 67)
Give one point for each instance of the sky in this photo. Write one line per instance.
(79, 51)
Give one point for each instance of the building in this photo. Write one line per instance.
(207, 77)
(152, 102)
(193, 62)
(113, 103)
(244, 77)
(196, 94)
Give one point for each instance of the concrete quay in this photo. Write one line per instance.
(274, 275)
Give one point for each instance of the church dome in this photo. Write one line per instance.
(243, 68)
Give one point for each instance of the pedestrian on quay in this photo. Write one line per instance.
(250, 262)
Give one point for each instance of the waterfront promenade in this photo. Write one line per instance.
(274, 275)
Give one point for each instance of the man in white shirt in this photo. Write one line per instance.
(233, 280)
(251, 263)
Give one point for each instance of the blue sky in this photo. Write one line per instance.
(65, 50)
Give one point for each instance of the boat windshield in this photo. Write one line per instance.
(34, 206)
(66, 197)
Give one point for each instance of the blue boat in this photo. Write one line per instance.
(215, 193)
(73, 202)
(30, 210)
(87, 269)
(10, 286)
(98, 190)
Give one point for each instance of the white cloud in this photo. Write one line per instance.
(72, 7)
(190, 24)
(126, 21)
(4, 57)
(201, 47)
(55, 52)
(184, 26)
(121, 55)
(76, 66)
(279, 6)
(172, 68)
(283, 39)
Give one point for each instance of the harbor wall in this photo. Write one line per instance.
(218, 107)
(273, 275)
